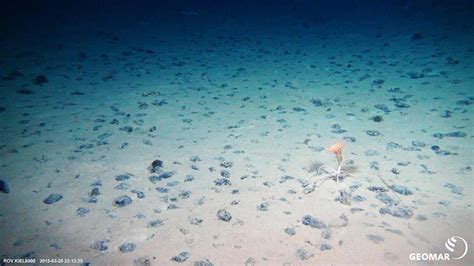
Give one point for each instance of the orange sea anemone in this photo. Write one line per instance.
(336, 148)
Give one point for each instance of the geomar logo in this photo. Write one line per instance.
(456, 245)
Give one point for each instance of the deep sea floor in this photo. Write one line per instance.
(159, 144)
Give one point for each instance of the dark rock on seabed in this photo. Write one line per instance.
(290, 231)
(127, 129)
(401, 189)
(304, 254)
(377, 189)
(417, 143)
(437, 149)
(454, 189)
(155, 223)
(53, 198)
(344, 197)
(164, 175)
(181, 257)
(40, 80)
(122, 177)
(397, 211)
(385, 198)
(222, 182)
(127, 247)
(225, 173)
(456, 134)
(25, 91)
(325, 246)
(122, 186)
(4, 187)
(100, 245)
(203, 263)
(377, 118)
(227, 164)
(122, 201)
(140, 194)
(313, 222)
(373, 133)
(195, 220)
(81, 211)
(95, 192)
(156, 166)
(375, 238)
(262, 206)
(224, 215)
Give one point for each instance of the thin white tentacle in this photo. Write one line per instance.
(326, 168)
(331, 173)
